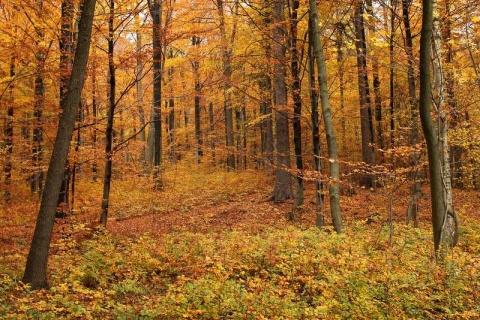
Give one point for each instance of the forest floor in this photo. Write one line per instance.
(213, 204)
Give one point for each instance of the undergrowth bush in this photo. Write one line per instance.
(278, 274)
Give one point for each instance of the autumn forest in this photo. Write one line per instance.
(228, 159)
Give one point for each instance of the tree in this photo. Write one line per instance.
(227, 78)
(283, 183)
(297, 103)
(111, 111)
(334, 183)
(412, 101)
(366, 118)
(36, 266)
(439, 206)
(155, 8)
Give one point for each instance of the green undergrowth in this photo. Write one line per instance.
(278, 274)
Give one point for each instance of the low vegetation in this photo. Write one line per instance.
(236, 256)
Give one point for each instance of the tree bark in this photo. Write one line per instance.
(8, 132)
(412, 211)
(297, 104)
(439, 208)
(156, 13)
(36, 180)
(334, 183)
(36, 266)
(110, 116)
(283, 183)
(319, 198)
(366, 119)
(227, 75)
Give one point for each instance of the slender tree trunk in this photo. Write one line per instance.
(66, 57)
(366, 119)
(139, 89)
(110, 116)
(315, 125)
(171, 113)
(36, 266)
(94, 111)
(227, 74)
(265, 86)
(283, 182)
(412, 211)
(8, 132)
(36, 180)
(198, 92)
(156, 13)
(297, 104)
(212, 131)
(334, 183)
(340, 28)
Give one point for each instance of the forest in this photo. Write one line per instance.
(235, 159)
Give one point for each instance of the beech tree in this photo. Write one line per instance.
(440, 211)
(283, 183)
(334, 182)
(36, 266)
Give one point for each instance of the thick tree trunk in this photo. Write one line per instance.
(366, 119)
(334, 183)
(451, 222)
(439, 206)
(283, 182)
(111, 111)
(36, 266)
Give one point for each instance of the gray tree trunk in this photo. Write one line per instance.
(366, 118)
(334, 183)
(227, 74)
(36, 266)
(283, 182)
(412, 211)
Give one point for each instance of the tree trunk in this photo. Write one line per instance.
(315, 126)
(36, 180)
(439, 208)
(139, 88)
(111, 111)
(340, 28)
(334, 183)
(171, 114)
(36, 266)
(412, 211)
(297, 104)
(366, 120)
(450, 224)
(283, 183)
(8, 132)
(66, 57)
(227, 74)
(198, 92)
(156, 13)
